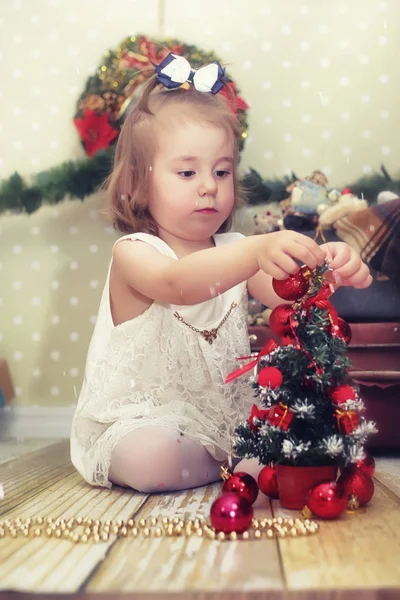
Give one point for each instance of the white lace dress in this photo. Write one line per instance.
(155, 370)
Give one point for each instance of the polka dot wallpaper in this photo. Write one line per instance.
(322, 85)
(320, 77)
(52, 268)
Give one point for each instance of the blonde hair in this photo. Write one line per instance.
(128, 187)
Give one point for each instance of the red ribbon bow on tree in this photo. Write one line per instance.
(321, 301)
(268, 348)
(257, 413)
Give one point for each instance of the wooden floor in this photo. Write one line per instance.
(357, 556)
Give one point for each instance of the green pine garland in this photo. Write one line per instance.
(75, 179)
(78, 179)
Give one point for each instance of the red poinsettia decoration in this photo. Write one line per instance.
(235, 101)
(95, 131)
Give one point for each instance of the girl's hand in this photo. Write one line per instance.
(278, 252)
(348, 268)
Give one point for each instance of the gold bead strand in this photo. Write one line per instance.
(84, 530)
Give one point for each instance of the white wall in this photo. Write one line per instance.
(323, 87)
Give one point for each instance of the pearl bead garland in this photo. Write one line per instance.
(84, 530)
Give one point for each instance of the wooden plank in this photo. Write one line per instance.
(25, 477)
(384, 594)
(388, 473)
(188, 564)
(53, 565)
(359, 550)
(11, 449)
(343, 555)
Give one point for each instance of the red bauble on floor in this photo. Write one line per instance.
(367, 465)
(267, 482)
(231, 513)
(326, 500)
(242, 484)
(295, 483)
(357, 484)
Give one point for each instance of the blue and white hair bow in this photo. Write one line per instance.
(175, 70)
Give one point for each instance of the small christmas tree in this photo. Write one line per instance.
(308, 412)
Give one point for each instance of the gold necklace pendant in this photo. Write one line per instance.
(209, 336)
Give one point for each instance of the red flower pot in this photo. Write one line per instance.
(294, 483)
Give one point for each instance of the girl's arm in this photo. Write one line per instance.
(202, 275)
(189, 280)
(260, 287)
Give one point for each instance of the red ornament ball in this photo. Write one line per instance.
(357, 484)
(268, 483)
(367, 465)
(242, 484)
(231, 513)
(342, 329)
(279, 320)
(342, 393)
(327, 500)
(270, 377)
(294, 287)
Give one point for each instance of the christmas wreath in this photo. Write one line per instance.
(108, 93)
(99, 116)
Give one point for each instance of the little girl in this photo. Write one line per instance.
(154, 413)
